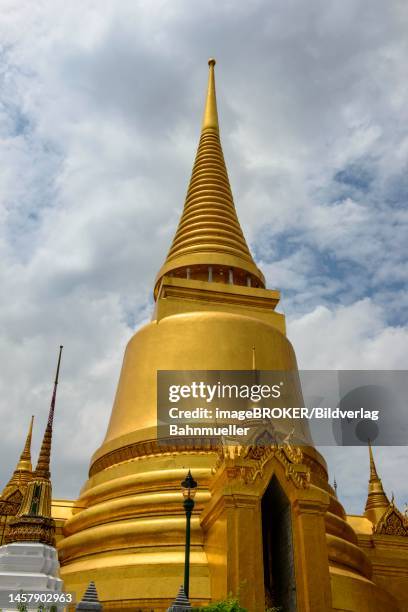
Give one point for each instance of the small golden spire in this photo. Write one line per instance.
(25, 458)
(210, 117)
(23, 472)
(377, 501)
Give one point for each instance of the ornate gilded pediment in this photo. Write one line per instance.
(393, 522)
(250, 461)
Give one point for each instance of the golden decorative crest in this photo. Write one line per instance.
(393, 522)
(249, 462)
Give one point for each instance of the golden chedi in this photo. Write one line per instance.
(266, 522)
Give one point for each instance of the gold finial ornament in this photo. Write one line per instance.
(209, 243)
(210, 117)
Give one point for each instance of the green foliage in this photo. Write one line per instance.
(231, 605)
(228, 605)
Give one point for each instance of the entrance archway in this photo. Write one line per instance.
(278, 557)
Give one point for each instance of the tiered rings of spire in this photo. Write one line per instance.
(209, 243)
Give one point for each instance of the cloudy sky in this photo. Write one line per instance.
(100, 108)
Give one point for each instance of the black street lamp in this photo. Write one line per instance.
(189, 486)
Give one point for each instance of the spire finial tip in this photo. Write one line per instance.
(211, 61)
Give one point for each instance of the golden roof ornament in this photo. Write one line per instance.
(210, 117)
(393, 522)
(209, 243)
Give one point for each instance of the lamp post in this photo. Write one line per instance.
(189, 486)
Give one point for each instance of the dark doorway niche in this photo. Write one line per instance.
(278, 560)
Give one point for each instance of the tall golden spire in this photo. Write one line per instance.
(23, 472)
(33, 521)
(209, 243)
(377, 501)
(43, 463)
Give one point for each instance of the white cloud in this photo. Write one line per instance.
(349, 337)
